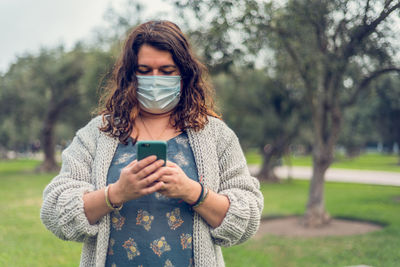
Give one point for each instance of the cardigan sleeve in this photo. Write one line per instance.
(246, 201)
(62, 210)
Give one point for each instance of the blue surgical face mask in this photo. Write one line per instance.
(158, 94)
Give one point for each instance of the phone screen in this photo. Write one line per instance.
(148, 148)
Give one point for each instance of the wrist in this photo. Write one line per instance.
(202, 197)
(194, 192)
(114, 196)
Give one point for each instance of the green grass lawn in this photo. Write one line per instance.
(361, 202)
(375, 162)
(26, 242)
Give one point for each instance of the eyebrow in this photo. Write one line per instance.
(163, 66)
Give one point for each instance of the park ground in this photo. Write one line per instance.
(26, 242)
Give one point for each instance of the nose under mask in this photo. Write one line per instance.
(158, 94)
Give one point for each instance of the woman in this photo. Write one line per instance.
(130, 212)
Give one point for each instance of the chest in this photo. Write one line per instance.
(203, 146)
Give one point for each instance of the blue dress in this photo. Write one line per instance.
(153, 230)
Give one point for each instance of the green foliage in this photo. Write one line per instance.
(260, 109)
(312, 46)
(387, 112)
(359, 128)
(374, 118)
(55, 85)
(60, 86)
(17, 105)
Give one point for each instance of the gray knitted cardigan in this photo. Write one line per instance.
(219, 159)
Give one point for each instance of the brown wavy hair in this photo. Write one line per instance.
(119, 105)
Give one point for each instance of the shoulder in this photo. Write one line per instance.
(219, 128)
(92, 126)
(88, 137)
(95, 122)
(89, 134)
(217, 124)
(218, 132)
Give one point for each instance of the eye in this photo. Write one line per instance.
(167, 72)
(142, 71)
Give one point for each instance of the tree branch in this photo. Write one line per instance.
(322, 44)
(364, 31)
(293, 55)
(387, 3)
(367, 6)
(338, 31)
(366, 81)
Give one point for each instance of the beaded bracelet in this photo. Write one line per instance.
(108, 202)
(199, 199)
(202, 197)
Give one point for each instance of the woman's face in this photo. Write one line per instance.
(153, 62)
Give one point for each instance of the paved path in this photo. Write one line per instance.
(339, 175)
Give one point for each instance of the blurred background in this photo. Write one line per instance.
(302, 83)
(55, 58)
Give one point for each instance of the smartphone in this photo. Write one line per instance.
(148, 148)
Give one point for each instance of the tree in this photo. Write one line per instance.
(41, 89)
(60, 78)
(52, 89)
(50, 94)
(263, 111)
(358, 127)
(341, 35)
(17, 127)
(244, 90)
(386, 115)
(322, 40)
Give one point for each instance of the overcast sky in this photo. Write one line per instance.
(26, 25)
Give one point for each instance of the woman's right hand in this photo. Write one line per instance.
(137, 179)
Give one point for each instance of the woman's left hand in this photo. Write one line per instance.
(177, 184)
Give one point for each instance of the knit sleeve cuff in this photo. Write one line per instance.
(235, 223)
(65, 215)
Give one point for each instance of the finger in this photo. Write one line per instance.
(149, 169)
(132, 163)
(157, 176)
(164, 186)
(165, 171)
(163, 179)
(167, 179)
(150, 179)
(152, 189)
(170, 164)
(143, 163)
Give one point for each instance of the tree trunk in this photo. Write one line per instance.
(272, 154)
(398, 157)
(49, 164)
(269, 162)
(326, 135)
(315, 214)
(353, 151)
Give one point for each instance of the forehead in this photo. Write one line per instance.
(149, 55)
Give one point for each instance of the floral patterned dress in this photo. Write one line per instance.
(153, 230)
